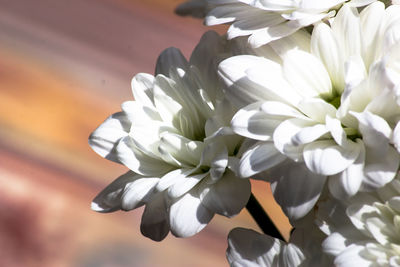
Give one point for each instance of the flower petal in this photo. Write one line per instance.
(188, 216)
(129, 155)
(176, 148)
(347, 183)
(106, 137)
(169, 60)
(375, 130)
(380, 169)
(306, 74)
(327, 158)
(109, 199)
(258, 158)
(346, 28)
(245, 87)
(184, 184)
(253, 123)
(246, 247)
(154, 224)
(138, 192)
(142, 89)
(325, 46)
(228, 196)
(295, 188)
(289, 140)
(317, 109)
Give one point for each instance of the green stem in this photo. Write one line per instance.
(262, 219)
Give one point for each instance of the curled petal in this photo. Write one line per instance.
(105, 139)
(291, 135)
(327, 158)
(347, 183)
(375, 130)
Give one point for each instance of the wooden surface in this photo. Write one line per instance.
(64, 67)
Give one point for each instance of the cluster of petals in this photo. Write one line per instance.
(176, 142)
(249, 248)
(268, 20)
(365, 230)
(328, 112)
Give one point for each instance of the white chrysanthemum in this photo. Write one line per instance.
(267, 20)
(368, 233)
(175, 140)
(331, 112)
(247, 248)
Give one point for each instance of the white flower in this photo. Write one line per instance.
(176, 141)
(268, 20)
(247, 248)
(331, 112)
(369, 232)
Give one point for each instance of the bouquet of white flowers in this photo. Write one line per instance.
(303, 94)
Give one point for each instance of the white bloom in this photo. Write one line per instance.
(268, 20)
(331, 112)
(369, 232)
(176, 141)
(247, 248)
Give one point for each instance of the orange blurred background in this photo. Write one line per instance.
(64, 67)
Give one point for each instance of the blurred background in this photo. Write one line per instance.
(64, 67)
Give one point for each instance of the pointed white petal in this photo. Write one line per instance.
(371, 21)
(346, 28)
(324, 45)
(170, 60)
